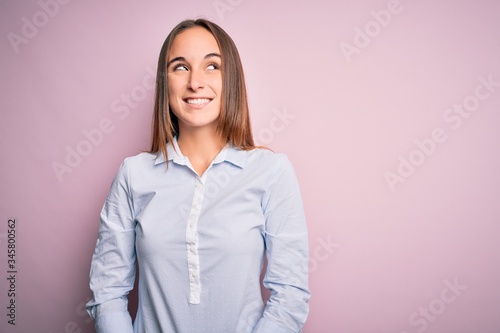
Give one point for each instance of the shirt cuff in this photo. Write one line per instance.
(112, 316)
(114, 322)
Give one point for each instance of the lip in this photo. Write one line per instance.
(198, 101)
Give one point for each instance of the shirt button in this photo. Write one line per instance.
(193, 275)
(192, 250)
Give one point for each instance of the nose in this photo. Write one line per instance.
(196, 80)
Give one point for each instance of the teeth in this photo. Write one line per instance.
(197, 101)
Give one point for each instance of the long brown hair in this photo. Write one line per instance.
(234, 119)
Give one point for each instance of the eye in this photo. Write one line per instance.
(213, 66)
(179, 67)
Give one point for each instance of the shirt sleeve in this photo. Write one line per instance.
(287, 252)
(112, 272)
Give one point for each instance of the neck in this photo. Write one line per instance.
(200, 146)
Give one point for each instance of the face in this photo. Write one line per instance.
(194, 79)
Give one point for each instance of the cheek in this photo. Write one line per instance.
(170, 87)
(215, 82)
(174, 85)
(173, 100)
(217, 86)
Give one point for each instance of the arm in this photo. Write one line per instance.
(112, 272)
(287, 254)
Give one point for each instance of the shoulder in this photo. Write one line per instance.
(267, 161)
(139, 163)
(134, 170)
(141, 160)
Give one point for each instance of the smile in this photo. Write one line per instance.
(197, 101)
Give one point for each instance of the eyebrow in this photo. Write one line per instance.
(210, 55)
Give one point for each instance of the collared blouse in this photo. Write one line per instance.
(200, 243)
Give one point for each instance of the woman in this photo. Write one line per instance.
(201, 209)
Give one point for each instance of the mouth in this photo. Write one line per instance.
(197, 101)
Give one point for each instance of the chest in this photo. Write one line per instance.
(221, 215)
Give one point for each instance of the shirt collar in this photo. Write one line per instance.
(228, 153)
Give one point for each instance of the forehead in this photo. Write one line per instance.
(192, 43)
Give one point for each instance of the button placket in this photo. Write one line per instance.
(192, 243)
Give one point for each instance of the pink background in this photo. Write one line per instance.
(384, 253)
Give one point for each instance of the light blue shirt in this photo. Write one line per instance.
(200, 243)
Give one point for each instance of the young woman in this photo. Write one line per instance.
(201, 210)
